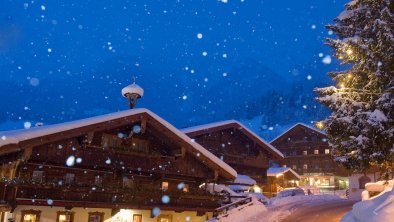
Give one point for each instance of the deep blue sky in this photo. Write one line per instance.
(63, 60)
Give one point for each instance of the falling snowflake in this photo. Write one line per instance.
(309, 77)
(204, 53)
(79, 160)
(165, 199)
(199, 36)
(326, 59)
(108, 161)
(70, 161)
(181, 186)
(27, 125)
(184, 97)
(136, 129)
(156, 211)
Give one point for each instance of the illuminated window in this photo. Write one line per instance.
(294, 167)
(316, 151)
(186, 188)
(284, 165)
(137, 218)
(37, 176)
(327, 151)
(96, 216)
(305, 167)
(30, 215)
(304, 152)
(164, 218)
(164, 185)
(65, 216)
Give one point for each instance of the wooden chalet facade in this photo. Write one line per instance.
(307, 152)
(236, 145)
(87, 170)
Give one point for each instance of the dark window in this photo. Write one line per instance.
(362, 181)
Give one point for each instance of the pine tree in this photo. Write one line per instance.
(361, 125)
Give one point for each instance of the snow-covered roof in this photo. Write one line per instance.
(241, 127)
(244, 179)
(299, 124)
(274, 171)
(16, 136)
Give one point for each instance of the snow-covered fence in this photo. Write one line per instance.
(227, 207)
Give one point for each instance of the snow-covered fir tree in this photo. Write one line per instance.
(361, 125)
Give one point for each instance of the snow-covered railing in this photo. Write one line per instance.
(223, 209)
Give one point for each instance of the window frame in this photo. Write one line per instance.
(97, 214)
(37, 213)
(70, 213)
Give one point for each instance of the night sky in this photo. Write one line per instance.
(198, 61)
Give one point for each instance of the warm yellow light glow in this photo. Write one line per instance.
(62, 217)
(349, 76)
(341, 85)
(319, 125)
(340, 57)
(349, 52)
(278, 175)
(256, 189)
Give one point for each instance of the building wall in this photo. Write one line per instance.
(354, 185)
(48, 214)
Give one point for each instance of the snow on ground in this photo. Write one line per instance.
(378, 208)
(246, 213)
(276, 210)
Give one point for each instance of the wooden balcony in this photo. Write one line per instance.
(106, 198)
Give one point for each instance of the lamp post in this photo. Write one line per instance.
(132, 92)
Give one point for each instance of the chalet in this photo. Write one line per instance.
(130, 165)
(236, 145)
(280, 178)
(307, 152)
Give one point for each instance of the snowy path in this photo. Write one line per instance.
(327, 211)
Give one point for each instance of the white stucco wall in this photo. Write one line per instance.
(354, 186)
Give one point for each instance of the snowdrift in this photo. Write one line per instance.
(378, 208)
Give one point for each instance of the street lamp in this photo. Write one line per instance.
(132, 92)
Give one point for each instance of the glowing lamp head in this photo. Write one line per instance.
(320, 125)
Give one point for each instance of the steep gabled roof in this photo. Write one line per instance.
(299, 125)
(217, 126)
(15, 137)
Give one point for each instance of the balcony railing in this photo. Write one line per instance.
(130, 197)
